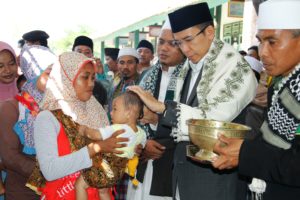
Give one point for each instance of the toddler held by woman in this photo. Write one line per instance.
(126, 110)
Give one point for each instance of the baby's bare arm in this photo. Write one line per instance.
(104, 194)
(81, 184)
(90, 133)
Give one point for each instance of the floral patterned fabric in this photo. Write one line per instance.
(28, 109)
(60, 93)
(61, 99)
(33, 61)
(107, 169)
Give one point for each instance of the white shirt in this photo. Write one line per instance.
(165, 78)
(164, 82)
(196, 68)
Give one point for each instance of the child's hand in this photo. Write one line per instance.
(82, 130)
(90, 133)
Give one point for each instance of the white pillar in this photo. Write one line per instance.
(249, 26)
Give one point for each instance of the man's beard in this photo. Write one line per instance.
(125, 74)
(125, 77)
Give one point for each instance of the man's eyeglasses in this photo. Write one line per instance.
(189, 38)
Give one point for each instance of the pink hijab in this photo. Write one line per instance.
(9, 90)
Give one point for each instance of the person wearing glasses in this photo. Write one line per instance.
(215, 83)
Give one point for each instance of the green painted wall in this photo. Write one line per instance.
(158, 18)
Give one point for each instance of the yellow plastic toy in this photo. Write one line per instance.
(131, 169)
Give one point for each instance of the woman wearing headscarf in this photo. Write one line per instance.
(8, 87)
(16, 119)
(8, 72)
(68, 103)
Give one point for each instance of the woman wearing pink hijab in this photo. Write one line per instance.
(8, 72)
(16, 118)
(8, 86)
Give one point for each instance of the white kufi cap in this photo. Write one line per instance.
(279, 14)
(128, 51)
(167, 24)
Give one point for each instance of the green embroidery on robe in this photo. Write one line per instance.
(229, 55)
(232, 83)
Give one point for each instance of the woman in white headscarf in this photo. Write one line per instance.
(68, 103)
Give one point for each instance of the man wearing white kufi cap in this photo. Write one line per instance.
(273, 160)
(127, 61)
(155, 175)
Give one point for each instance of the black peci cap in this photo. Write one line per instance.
(83, 40)
(36, 35)
(189, 16)
(112, 52)
(145, 44)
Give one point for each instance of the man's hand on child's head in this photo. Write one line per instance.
(149, 117)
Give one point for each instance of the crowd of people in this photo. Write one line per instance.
(75, 128)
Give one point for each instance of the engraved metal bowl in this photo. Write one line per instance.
(204, 134)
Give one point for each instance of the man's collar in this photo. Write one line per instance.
(170, 69)
(197, 66)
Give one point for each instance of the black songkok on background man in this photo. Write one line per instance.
(36, 37)
(112, 52)
(83, 40)
(145, 44)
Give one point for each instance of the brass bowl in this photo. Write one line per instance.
(204, 134)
